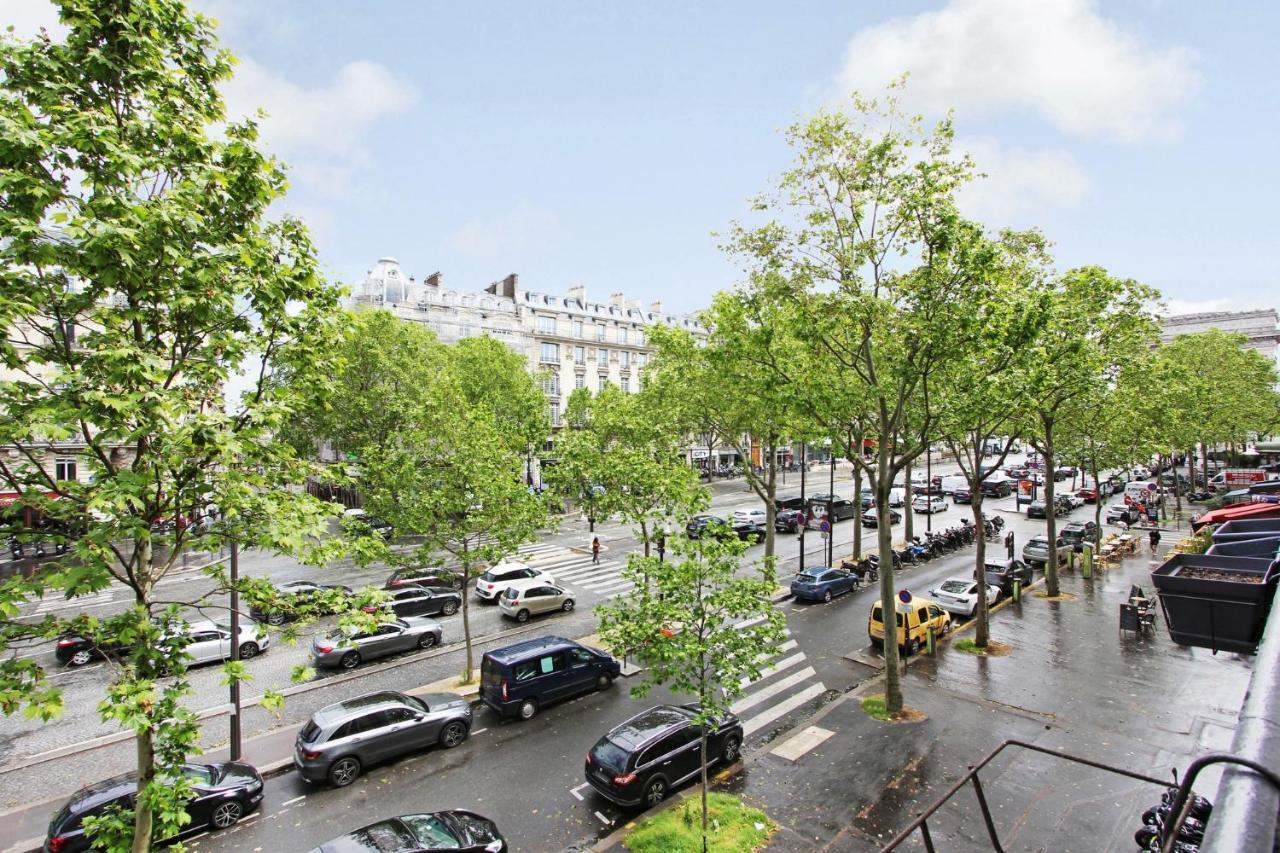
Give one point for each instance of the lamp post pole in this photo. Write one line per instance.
(804, 464)
(235, 649)
(831, 490)
(928, 467)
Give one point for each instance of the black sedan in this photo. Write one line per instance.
(75, 650)
(788, 521)
(871, 518)
(300, 593)
(699, 525)
(413, 600)
(223, 793)
(1037, 509)
(423, 833)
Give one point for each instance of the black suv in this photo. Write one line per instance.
(414, 600)
(787, 521)
(997, 488)
(1079, 532)
(640, 761)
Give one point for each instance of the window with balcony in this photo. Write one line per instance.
(550, 353)
(577, 329)
(64, 469)
(626, 359)
(546, 325)
(602, 357)
(599, 332)
(622, 335)
(553, 411)
(579, 355)
(551, 385)
(625, 384)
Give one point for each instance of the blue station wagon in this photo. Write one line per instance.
(821, 583)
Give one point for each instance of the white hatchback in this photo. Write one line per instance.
(500, 576)
(960, 595)
(524, 598)
(757, 516)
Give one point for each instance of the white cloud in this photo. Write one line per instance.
(1019, 181)
(1059, 59)
(27, 17)
(500, 235)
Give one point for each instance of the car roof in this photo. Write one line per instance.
(528, 583)
(1076, 525)
(518, 651)
(646, 725)
(102, 792)
(359, 705)
(815, 570)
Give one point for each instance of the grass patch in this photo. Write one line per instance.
(993, 648)
(732, 826)
(874, 707)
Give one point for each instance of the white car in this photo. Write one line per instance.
(757, 516)
(960, 595)
(1074, 500)
(524, 598)
(897, 497)
(491, 584)
(1120, 512)
(211, 641)
(929, 503)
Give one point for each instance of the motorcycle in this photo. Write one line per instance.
(919, 551)
(863, 570)
(15, 549)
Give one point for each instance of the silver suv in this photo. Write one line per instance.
(1036, 551)
(342, 739)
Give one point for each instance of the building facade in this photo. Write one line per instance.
(1261, 327)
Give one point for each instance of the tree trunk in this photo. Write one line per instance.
(888, 602)
(981, 635)
(143, 817)
(1097, 486)
(466, 611)
(1204, 464)
(857, 522)
(1051, 564)
(771, 501)
(703, 747)
(908, 532)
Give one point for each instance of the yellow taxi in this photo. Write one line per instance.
(914, 616)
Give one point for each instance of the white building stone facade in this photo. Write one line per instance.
(1261, 327)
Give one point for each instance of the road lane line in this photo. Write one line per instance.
(766, 717)
(294, 800)
(615, 588)
(480, 731)
(599, 580)
(604, 819)
(785, 663)
(575, 791)
(753, 699)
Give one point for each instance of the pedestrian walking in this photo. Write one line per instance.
(1008, 543)
(1142, 510)
(595, 550)
(1154, 539)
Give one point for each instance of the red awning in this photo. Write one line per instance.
(1227, 513)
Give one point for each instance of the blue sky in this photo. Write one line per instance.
(603, 143)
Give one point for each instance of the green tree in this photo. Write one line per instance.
(138, 272)
(701, 629)
(1096, 324)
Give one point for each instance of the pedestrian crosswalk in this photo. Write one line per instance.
(787, 684)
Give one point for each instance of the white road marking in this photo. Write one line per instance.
(575, 791)
(77, 669)
(766, 717)
(785, 663)
(480, 731)
(294, 800)
(604, 819)
(796, 746)
(753, 699)
(610, 585)
(603, 579)
(748, 623)
(588, 570)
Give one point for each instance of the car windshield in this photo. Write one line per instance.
(609, 755)
(805, 577)
(199, 774)
(431, 831)
(1038, 543)
(955, 587)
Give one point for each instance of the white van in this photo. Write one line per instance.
(1133, 490)
(955, 481)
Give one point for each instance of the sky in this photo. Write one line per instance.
(605, 144)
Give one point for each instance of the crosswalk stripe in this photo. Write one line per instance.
(586, 571)
(619, 585)
(756, 697)
(764, 718)
(599, 580)
(785, 663)
(748, 623)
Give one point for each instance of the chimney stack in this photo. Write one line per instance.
(655, 308)
(578, 292)
(617, 300)
(436, 279)
(505, 288)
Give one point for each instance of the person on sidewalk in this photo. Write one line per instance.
(1008, 543)
(1154, 539)
(595, 550)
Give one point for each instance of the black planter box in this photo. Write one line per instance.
(1247, 528)
(1259, 549)
(1223, 615)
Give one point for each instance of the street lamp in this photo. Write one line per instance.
(928, 469)
(235, 649)
(831, 493)
(804, 464)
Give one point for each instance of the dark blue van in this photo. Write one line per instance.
(517, 680)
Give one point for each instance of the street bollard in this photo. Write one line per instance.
(1017, 589)
(1088, 560)
(930, 641)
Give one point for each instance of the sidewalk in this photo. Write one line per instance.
(1072, 683)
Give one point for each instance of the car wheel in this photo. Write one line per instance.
(604, 681)
(522, 616)
(248, 650)
(913, 647)
(731, 750)
(655, 792)
(226, 814)
(453, 734)
(826, 596)
(350, 660)
(567, 607)
(450, 608)
(344, 771)
(275, 619)
(528, 708)
(81, 657)
(427, 640)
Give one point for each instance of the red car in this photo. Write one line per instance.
(1089, 496)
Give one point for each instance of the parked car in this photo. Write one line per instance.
(821, 583)
(787, 521)
(1073, 501)
(870, 518)
(914, 621)
(867, 498)
(962, 495)
(929, 503)
(749, 531)
(897, 497)
(1036, 551)
(1089, 494)
(638, 762)
(343, 739)
(498, 577)
(526, 598)
(1037, 509)
(1002, 574)
(454, 830)
(520, 679)
(1017, 472)
(421, 601)
(1077, 533)
(790, 503)
(1064, 473)
(222, 793)
(364, 523)
(346, 649)
(960, 595)
(997, 488)
(300, 593)
(698, 525)
(78, 650)
(1062, 505)
(755, 516)
(1121, 513)
(424, 576)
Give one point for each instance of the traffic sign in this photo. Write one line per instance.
(825, 526)
(904, 595)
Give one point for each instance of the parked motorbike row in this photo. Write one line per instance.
(1155, 820)
(918, 550)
